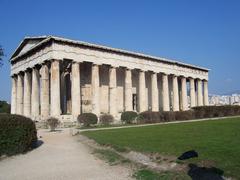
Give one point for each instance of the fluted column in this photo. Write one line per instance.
(200, 95)
(175, 94)
(192, 92)
(206, 101)
(113, 91)
(14, 96)
(45, 97)
(35, 94)
(27, 94)
(95, 89)
(55, 89)
(154, 93)
(128, 90)
(20, 94)
(165, 93)
(184, 94)
(76, 90)
(142, 92)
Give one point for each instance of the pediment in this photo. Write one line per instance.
(26, 45)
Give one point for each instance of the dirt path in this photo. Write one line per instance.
(60, 157)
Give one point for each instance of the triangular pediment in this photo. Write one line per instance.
(27, 44)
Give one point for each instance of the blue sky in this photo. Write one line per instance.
(203, 32)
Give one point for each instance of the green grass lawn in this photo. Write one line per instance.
(217, 141)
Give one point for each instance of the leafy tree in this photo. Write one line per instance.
(1, 55)
(4, 107)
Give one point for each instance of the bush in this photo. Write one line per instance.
(17, 134)
(128, 116)
(184, 115)
(87, 119)
(52, 123)
(216, 111)
(106, 119)
(150, 117)
(168, 116)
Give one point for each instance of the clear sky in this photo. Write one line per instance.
(200, 32)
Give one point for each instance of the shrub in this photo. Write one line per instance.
(52, 123)
(106, 119)
(5, 107)
(216, 111)
(168, 116)
(184, 115)
(128, 116)
(17, 134)
(149, 117)
(87, 119)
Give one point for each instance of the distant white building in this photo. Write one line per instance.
(233, 99)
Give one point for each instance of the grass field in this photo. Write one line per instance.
(217, 141)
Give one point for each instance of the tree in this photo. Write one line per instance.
(1, 55)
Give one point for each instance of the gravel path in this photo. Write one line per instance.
(60, 157)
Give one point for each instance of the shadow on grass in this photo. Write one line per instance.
(203, 173)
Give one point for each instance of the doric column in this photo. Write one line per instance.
(206, 102)
(184, 94)
(35, 94)
(200, 95)
(27, 94)
(165, 93)
(192, 92)
(142, 92)
(175, 94)
(76, 91)
(128, 90)
(45, 97)
(113, 91)
(20, 94)
(154, 93)
(55, 88)
(95, 89)
(14, 96)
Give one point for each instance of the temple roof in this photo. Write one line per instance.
(31, 43)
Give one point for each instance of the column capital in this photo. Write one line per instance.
(113, 67)
(173, 75)
(191, 78)
(141, 70)
(96, 64)
(153, 72)
(128, 68)
(14, 76)
(183, 77)
(165, 74)
(77, 62)
(51, 60)
(28, 70)
(20, 73)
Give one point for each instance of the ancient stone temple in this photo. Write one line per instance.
(58, 77)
